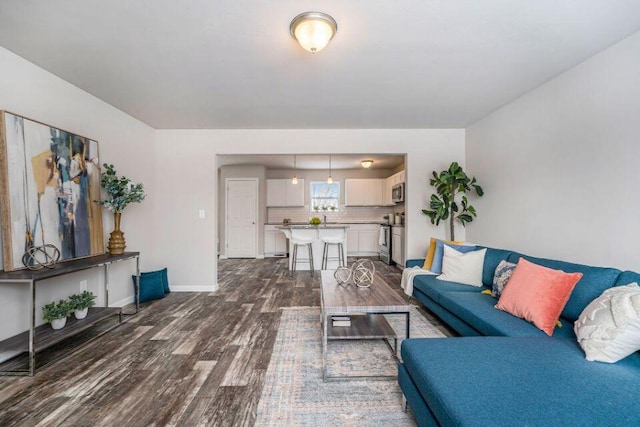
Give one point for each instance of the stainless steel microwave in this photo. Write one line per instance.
(397, 193)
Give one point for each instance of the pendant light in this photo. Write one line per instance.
(294, 180)
(330, 178)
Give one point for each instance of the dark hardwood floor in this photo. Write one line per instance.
(188, 359)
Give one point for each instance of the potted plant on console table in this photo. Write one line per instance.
(120, 192)
(57, 314)
(81, 303)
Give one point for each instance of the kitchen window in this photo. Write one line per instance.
(325, 197)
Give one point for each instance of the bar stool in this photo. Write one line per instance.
(301, 241)
(333, 240)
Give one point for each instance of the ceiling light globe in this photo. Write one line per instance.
(294, 180)
(313, 30)
(330, 180)
(366, 163)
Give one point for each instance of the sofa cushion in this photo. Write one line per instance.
(433, 288)
(464, 268)
(436, 265)
(609, 328)
(546, 381)
(538, 294)
(491, 261)
(594, 281)
(501, 277)
(627, 277)
(478, 310)
(430, 253)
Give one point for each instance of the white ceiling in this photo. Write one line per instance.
(313, 161)
(233, 64)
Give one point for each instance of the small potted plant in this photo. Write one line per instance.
(120, 192)
(57, 314)
(81, 303)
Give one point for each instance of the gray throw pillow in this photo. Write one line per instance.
(503, 273)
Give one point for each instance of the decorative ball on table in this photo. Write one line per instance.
(362, 272)
(39, 257)
(342, 275)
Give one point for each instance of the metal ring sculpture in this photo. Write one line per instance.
(39, 257)
(362, 272)
(342, 275)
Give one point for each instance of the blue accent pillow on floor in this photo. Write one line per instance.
(151, 286)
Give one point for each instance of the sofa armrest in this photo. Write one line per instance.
(414, 262)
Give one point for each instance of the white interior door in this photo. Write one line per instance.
(242, 218)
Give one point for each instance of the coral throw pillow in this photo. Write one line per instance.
(537, 294)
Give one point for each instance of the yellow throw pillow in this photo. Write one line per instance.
(429, 258)
(432, 251)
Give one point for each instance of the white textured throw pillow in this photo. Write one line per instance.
(462, 268)
(608, 329)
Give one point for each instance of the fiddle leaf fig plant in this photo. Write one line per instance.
(444, 205)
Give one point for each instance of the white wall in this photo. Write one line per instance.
(28, 90)
(560, 166)
(186, 173)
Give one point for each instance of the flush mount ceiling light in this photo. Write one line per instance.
(313, 30)
(366, 163)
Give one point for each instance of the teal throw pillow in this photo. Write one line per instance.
(151, 286)
(436, 266)
(165, 279)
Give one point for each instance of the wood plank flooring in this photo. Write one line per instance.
(188, 359)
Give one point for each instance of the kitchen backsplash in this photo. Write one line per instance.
(346, 214)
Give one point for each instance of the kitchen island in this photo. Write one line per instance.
(316, 233)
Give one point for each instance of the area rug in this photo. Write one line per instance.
(294, 393)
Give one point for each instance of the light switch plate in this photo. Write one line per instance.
(201, 214)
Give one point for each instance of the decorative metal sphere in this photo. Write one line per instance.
(362, 272)
(39, 257)
(342, 275)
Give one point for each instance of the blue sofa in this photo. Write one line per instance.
(504, 370)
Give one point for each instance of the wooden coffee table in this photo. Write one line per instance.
(366, 308)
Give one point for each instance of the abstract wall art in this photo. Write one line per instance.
(49, 182)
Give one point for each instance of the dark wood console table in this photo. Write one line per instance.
(43, 336)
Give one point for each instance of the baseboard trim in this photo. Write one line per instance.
(223, 257)
(261, 256)
(123, 302)
(210, 288)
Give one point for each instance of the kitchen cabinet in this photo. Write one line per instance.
(281, 192)
(275, 242)
(362, 239)
(387, 199)
(388, 184)
(397, 245)
(363, 192)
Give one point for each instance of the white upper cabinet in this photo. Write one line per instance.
(281, 192)
(363, 192)
(295, 193)
(395, 179)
